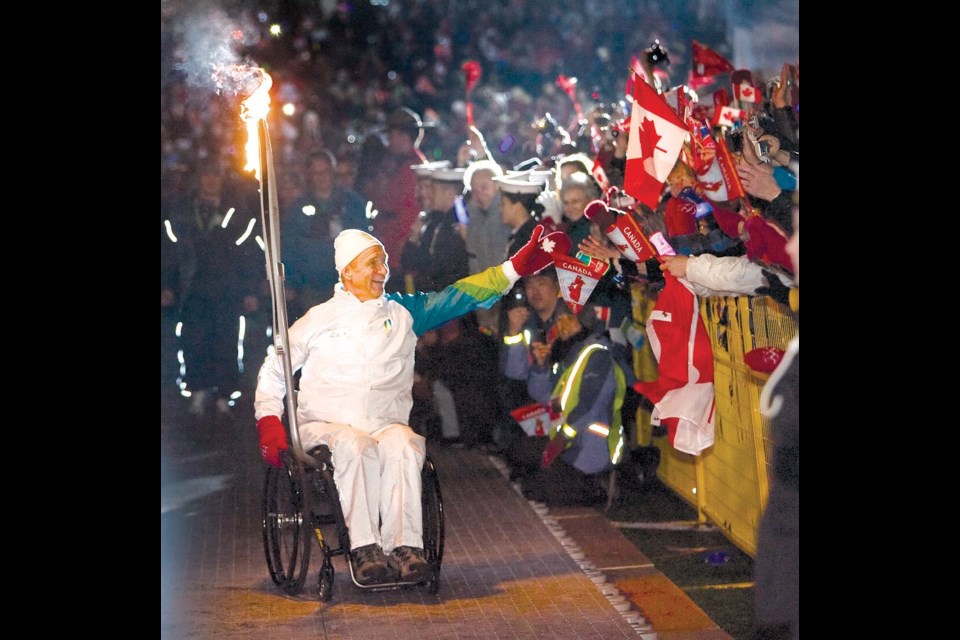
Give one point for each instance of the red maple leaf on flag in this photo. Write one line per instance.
(649, 138)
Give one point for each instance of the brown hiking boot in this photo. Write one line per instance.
(369, 565)
(409, 563)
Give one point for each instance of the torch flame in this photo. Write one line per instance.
(252, 110)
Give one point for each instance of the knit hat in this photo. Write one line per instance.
(349, 244)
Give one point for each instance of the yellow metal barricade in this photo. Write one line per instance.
(727, 483)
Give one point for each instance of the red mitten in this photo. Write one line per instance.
(729, 221)
(554, 449)
(273, 439)
(767, 243)
(598, 212)
(763, 359)
(535, 255)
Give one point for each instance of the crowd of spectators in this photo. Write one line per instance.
(368, 97)
(344, 67)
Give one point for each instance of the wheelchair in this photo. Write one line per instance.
(301, 503)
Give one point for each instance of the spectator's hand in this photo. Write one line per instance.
(536, 254)
(251, 304)
(707, 154)
(758, 181)
(541, 351)
(775, 288)
(552, 208)
(781, 92)
(747, 151)
(273, 439)
(516, 318)
(166, 298)
(676, 265)
(593, 247)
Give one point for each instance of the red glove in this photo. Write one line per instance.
(273, 439)
(767, 243)
(535, 255)
(554, 449)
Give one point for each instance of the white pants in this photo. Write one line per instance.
(378, 479)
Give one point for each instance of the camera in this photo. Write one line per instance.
(762, 147)
(657, 53)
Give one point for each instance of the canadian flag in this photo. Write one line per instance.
(578, 280)
(723, 117)
(600, 175)
(536, 419)
(683, 393)
(707, 62)
(656, 138)
(746, 92)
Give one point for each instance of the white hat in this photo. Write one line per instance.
(543, 176)
(349, 244)
(518, 185)
(449, 175)
(426, 169)
(481, 165)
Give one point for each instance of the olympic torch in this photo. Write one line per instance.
(253, 111)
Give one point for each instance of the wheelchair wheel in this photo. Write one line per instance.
(287, 526)
(433, 522)
(326, 580)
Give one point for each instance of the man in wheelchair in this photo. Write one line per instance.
(355, 354)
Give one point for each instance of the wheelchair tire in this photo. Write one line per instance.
(287, 526)
(433, 521)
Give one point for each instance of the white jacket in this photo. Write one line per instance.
(710, 275)
(356, 358)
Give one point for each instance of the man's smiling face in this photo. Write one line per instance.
(367, 274)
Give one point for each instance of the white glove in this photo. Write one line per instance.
(551, 205)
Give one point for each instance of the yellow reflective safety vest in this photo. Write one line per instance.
(590, 396)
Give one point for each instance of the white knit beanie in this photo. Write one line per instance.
(349, 244)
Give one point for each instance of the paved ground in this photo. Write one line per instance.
(512, 568)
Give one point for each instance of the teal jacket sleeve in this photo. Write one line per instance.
(430, 310)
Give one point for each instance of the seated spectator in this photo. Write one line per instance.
(530, 327)
(578, 375)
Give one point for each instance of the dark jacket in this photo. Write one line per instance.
(439, 257)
